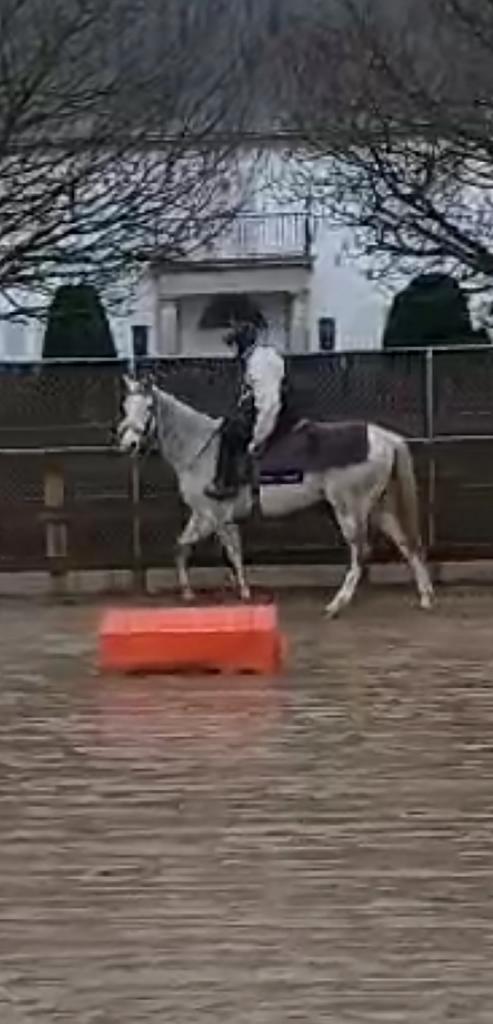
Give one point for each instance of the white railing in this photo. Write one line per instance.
(257, 236)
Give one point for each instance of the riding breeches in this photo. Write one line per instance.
(235, 437)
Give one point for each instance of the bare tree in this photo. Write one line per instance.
(118, 130)
(394, 104)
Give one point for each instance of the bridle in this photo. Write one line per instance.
(147, 432)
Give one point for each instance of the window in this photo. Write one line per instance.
(326, 334)
(274, 18)
(140, 340)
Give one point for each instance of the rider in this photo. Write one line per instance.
(261, 409)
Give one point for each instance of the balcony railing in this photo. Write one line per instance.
(260, 236)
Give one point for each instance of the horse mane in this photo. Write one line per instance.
(168, 402)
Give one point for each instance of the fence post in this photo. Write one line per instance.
(56, 533)
(139, 573)
(430, 447)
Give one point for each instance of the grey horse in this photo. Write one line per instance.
(379, 491)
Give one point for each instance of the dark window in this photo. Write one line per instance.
(326, 333)
(224, 310)
(274, 18)
(140, 340)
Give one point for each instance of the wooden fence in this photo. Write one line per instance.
(68, 500)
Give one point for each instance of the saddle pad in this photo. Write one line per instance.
(315, 448)
(293, 476)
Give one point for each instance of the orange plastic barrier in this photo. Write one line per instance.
(224, 639)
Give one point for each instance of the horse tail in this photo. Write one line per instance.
(406, 494)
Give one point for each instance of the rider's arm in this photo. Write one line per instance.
(266, 372)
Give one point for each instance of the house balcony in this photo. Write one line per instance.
(249, 239)
(270, 238)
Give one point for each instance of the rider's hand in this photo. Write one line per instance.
(253, 449)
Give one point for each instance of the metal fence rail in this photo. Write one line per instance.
(69, 501)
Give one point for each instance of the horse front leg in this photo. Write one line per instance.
(181, 561)
(197, 528)
(230, 538)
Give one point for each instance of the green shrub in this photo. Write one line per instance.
(78, 327)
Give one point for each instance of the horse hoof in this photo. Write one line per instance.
(246, 595)
(188, 596)
(332, 611)
(427, 602)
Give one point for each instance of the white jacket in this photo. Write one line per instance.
(264, 374)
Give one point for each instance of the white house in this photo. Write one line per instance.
(283, 263)
(274, 257)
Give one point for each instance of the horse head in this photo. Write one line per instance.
(138, 420)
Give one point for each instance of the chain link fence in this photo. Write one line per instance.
(68, 500)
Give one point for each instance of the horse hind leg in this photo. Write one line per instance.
(355, 535)
(386, 519)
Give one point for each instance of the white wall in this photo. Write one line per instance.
(139, 308)
(20, 340)
(340, 289)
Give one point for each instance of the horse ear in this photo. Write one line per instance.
(131, 384)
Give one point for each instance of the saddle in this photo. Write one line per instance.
(311, 447)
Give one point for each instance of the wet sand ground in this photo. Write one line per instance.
(313, 849)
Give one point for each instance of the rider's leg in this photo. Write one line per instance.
(233, 444)
(224, 468)
(223, 485)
